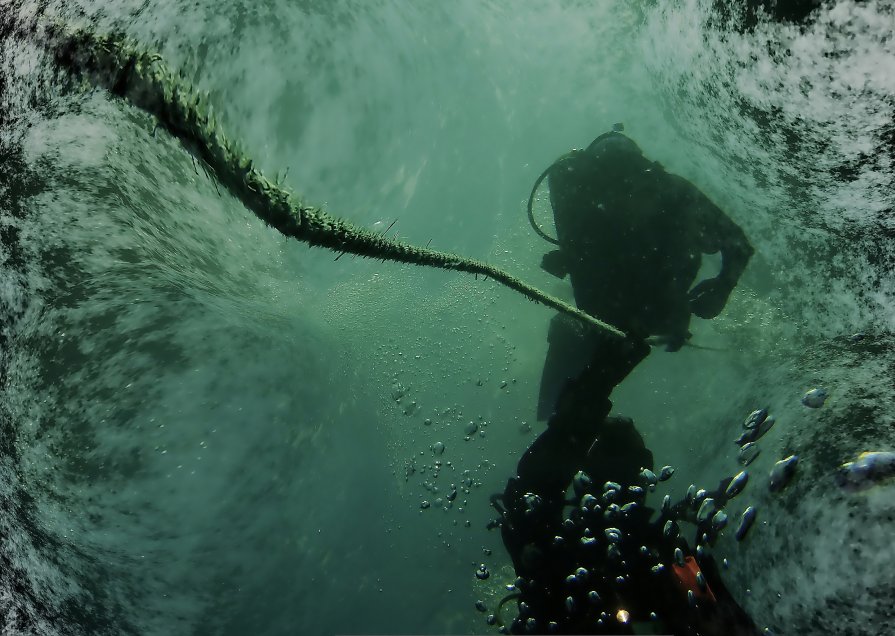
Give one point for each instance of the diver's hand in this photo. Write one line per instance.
(555, 263)
(708, 298)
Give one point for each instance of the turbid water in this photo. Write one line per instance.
(210, 429)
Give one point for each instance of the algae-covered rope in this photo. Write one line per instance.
(119, 65)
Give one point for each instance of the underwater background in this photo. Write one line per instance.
(207, 428)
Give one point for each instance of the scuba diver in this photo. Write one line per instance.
(631, 237)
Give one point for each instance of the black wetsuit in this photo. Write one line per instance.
(631, 238)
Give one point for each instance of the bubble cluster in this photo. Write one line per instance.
(608, 563)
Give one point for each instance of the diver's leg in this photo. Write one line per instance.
(534, 498)
(581, 409)
(557, 454)
(567, 355)
(584, 401)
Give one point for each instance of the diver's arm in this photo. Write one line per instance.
(716, 232)
(735, 248)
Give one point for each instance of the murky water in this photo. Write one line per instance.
(210, 429)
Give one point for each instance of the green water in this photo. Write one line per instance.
(210, 429)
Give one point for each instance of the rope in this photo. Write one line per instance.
(120, 66)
